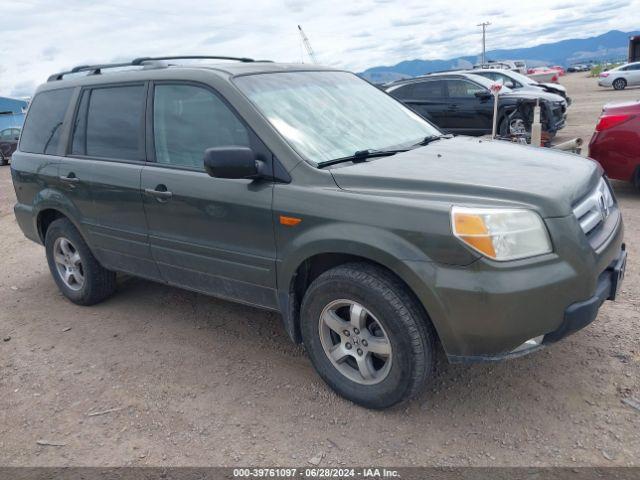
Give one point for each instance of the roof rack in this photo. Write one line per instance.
(92, 69)
(141, 61)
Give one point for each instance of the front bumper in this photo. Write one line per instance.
(487, 310)
(576, 316)
(604, 82)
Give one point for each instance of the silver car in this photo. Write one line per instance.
(621, 77)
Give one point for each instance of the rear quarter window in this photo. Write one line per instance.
(43, 125)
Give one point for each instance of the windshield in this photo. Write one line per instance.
(329, 115)
(522, 78)
(486, 82)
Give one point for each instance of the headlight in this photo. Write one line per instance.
(501, 234)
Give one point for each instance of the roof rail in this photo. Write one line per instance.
(92, 69)
(97, 69)
(141, 60)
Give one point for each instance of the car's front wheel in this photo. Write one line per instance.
(75, 270)
(3, 159)
(619, 84)
(367, 336)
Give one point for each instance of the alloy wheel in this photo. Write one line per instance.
(355, 342)
(68, 263)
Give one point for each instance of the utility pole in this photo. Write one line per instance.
(484, 26)
(307, 45)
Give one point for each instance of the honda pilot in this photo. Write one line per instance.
(309, 192)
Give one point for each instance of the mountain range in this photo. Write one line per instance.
(612, 45)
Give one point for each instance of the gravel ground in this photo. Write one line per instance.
(160, 376)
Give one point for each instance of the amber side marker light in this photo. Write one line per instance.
(289, 221)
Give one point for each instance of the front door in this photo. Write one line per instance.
(207, 234)
(472, 114)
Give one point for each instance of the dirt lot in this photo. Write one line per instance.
(183, 379)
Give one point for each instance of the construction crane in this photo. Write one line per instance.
(307, 45)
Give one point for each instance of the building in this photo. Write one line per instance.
(12, 112)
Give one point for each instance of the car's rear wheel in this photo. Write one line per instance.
(75, 270)
(619, 84)
(367, 336)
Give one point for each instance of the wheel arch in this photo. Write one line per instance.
(50, 205)
(294, 284)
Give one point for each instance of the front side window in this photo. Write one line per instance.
(463, 89)
(329, 115)
(5, 134)
(187, 120)
(43, 126)
(109, 123)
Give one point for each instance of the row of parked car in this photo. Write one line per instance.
(461, 102)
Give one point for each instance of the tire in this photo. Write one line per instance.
(90, 282)
(619, 84)
(393, 321)
(3, 160)
(515, 120)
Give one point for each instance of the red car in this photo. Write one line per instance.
(616, 141)
(558, 69)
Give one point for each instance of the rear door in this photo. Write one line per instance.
(469, 114)
(207, 234)
(101, 175)
(427, 98)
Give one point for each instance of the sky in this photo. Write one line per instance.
(40, 37)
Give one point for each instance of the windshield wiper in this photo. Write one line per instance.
(432, 138)
(362, 155)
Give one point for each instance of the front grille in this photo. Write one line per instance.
(593, 211)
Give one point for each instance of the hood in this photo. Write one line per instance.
(478, 172)
(533, 94)
(553, 87)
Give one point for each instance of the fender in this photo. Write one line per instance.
(377, 245)
(54, 199)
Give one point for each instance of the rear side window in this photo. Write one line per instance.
(109, 123)
(403, 93)
(187, 120)
(431, 89)
(43, 126)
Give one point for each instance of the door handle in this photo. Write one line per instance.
(160, 193)
(70, 178)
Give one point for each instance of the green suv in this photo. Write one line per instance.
(308, 191)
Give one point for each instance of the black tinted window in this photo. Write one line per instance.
(430, 89)
(43, 125)
(404, 93)
(463, 89)
(109, 123)
(187, 120)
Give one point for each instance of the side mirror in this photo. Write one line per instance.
(483, 95)
(233, 162)
(509, 84)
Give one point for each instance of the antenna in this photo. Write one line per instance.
(307, 45)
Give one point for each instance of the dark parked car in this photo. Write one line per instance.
(616, 141)
(309, 192)
(520, 82)
(463, 104)
(8, 144)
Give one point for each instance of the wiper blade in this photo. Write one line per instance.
(361, 156)
(432, 138)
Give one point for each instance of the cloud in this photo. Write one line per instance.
(54, 36)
